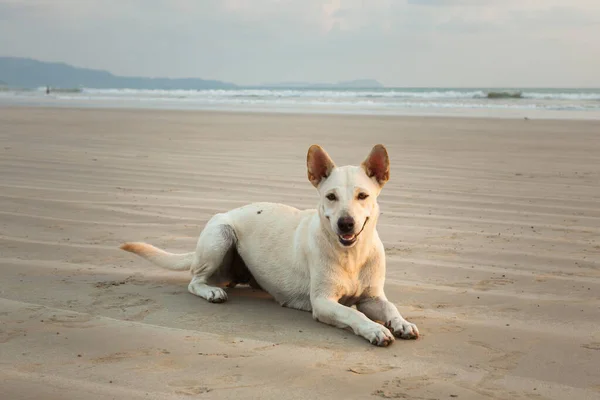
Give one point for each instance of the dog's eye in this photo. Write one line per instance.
(362, 196)
(331, 197)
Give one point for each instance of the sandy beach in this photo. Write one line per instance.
(491, 226)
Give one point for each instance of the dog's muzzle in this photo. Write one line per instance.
(349, 239)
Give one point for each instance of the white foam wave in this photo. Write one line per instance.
(355, 99)
(313, 93)
(391, 93)
(562, 96)
(335, 103)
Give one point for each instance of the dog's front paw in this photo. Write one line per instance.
(403, 329)
(378, 335)
(216, 295)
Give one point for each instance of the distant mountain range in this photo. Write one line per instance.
(355, 84)
(28, 73)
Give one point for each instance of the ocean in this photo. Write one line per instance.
(497, 102)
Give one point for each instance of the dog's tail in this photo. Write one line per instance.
(176, 262)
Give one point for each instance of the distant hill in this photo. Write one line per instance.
(29, 73)
(361, 83)
(358, 84)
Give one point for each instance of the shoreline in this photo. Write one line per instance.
(460, 114)
(165, 105)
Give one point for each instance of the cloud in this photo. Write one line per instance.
(454, 3)
(412, 42)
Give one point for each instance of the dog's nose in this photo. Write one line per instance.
(346, 224)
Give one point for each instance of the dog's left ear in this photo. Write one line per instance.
(377, 165)
(319, 164)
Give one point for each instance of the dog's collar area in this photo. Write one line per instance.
(350, 241)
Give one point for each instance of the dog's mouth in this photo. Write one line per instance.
(350, 238)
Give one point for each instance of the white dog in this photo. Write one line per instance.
(325, 260)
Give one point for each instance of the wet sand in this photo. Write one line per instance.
(491, 229)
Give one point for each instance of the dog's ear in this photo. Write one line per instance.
(319, 164)
(377, 165)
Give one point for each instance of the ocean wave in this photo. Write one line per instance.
(349, 94)
(504, 95)
(333, 103)
(578, 96)
(285, 93)
(388, 99)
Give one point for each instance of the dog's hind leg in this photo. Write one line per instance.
(212, 255)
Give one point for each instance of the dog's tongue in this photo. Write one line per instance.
(347, 237)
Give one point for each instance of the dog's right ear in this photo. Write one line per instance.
(377, 165)
(319, 164)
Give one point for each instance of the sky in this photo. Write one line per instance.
(410, 43)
